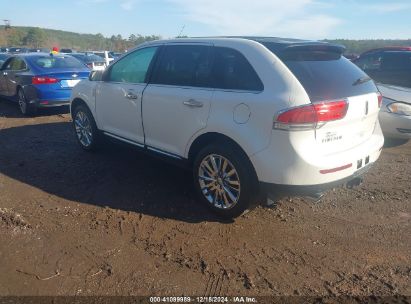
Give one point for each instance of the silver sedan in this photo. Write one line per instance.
(395, 114)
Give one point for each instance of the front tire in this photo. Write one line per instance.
(85, 128)
(224, 180)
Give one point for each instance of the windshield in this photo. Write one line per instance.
(56, 62)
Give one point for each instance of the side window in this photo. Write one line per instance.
(370, 62)
(184, 65)
(133, 68)
(17, 64)
(232, 71)
(7, 64)
(395, 61)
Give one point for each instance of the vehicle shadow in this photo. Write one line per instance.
(394, 142)
(47, 156)
(10, 109)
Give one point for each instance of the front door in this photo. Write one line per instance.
(119, 96)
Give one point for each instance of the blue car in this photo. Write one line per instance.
(36, 80)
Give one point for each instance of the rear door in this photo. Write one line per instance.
(10, 77)
(119, 96)
(3, 77)
(328, 76)
(176, 103)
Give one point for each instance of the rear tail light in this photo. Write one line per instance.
(90, 65)
(43, 80)
(379, 100)
(311, 116)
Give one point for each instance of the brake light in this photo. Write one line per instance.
(379, 100)
(43, 80)
(312, 115)
(89, 65)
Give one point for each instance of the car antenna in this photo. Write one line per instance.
(181, 31)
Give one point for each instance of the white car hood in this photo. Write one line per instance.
(395, 93)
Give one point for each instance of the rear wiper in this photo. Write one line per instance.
(361, 80)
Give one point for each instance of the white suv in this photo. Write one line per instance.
(286, 116)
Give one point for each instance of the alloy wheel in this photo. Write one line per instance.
(219, 181)
(83, 128)
(22, 102)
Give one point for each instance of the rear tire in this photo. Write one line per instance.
(224, 179)
(26, 108)
(85, 128)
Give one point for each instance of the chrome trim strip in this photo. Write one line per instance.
(164, 153)
(125, 140)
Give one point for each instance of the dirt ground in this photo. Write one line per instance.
(118, 222)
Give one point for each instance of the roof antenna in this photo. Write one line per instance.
(182, 29)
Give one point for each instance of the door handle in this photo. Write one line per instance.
(192, 103)
(131, 95)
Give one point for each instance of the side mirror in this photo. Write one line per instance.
(95, 76)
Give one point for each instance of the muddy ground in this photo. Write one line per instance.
(121, 223)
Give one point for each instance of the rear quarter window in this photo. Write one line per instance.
(232, 71)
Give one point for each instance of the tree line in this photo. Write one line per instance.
(35, 37)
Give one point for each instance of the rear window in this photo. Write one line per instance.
(56, 62)
(326, 75)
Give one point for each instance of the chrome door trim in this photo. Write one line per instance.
(124, 139)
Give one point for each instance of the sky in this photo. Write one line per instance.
(308, 19)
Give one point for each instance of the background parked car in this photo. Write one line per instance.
(40, 80)
(67, 51)
(107, 56)
(391, 69)
(18, 50)
(115, 54)
(351, 56)
(94, 62)
(395, 114)
(40, 50)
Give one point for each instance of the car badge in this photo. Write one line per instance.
(74, 75)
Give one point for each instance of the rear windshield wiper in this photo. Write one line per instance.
(361, 80)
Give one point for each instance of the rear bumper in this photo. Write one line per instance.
(41, 99)
(311, 190)
(294, 160)
(52, 103)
